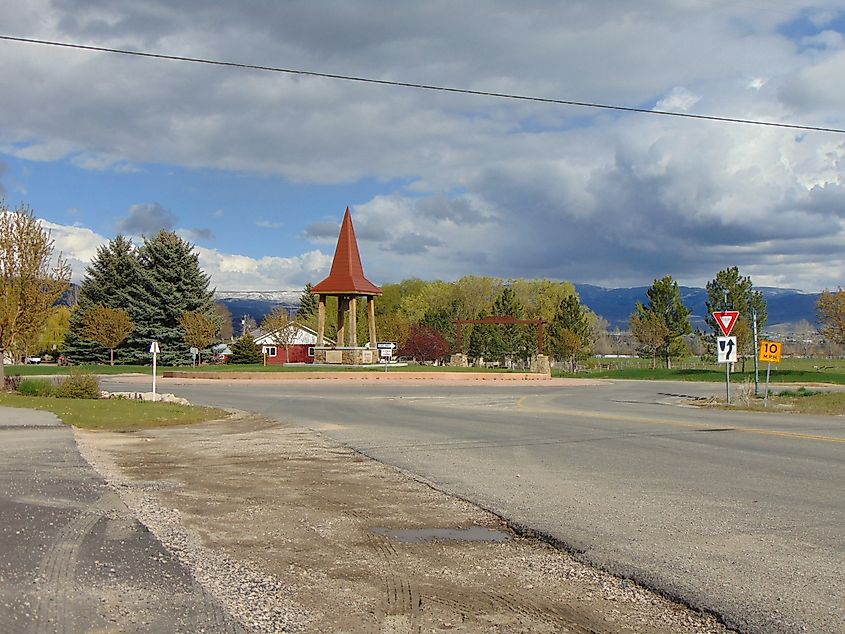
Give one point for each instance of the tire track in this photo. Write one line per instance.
(58, 568)
(403, 601)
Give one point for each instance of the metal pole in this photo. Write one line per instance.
(756, 354)
(728, 381)
(766, 397)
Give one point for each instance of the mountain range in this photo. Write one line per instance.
(786, 307)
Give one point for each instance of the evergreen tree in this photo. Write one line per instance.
(172, 284)
(571, 333)
(110, 280)
(510, 341)
(731, 291)
(666, 307)
(245, 350)
(308, 304)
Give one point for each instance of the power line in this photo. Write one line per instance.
(432, 87)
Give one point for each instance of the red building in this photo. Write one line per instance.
(300, 339)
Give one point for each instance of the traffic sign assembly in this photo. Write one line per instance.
(726, 319)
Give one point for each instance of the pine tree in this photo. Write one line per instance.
(245, 350)
(665, 307)
(172, 284)
(110, 280)
(570, 332)
(510, 341)
(731, 291)
(308, 304)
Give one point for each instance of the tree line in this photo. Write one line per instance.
(156, 291)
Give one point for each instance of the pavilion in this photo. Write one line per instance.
(347, 282)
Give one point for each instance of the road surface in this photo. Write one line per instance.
(740, 514)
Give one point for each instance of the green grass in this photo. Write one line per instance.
(115, 414)
(48, 370)
(790, 371)
(800, 401)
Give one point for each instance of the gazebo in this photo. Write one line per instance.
(346, 281)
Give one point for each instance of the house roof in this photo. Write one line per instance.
(347, 273)
(303, 336)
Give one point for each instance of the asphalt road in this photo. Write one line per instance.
(742, 515)
(73, 558)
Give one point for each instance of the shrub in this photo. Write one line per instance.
(11, 383)
(79, 385)
(36, 387)
(245, 350)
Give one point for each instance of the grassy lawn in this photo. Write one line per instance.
(115, 414)
(790, 371)
(800, 401)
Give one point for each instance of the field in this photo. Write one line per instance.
(809, 371)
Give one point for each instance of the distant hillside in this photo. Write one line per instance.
(785, 306)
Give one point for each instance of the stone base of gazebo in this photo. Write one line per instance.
(346, 355)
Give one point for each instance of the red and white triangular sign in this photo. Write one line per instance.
(726, 320)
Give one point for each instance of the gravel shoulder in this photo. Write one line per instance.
(293, 532)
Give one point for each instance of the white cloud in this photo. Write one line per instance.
(487, 186)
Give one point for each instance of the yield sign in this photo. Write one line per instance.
(726, 320)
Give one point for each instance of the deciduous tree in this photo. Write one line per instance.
(31, 280)
(107, 326)
(424, 344)
(831, 312)
(280, 329)
(201, 330)
(651, 333)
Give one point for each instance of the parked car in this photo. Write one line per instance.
(32, 360)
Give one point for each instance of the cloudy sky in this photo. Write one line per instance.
(256, 168)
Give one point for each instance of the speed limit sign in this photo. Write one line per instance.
(770, 351)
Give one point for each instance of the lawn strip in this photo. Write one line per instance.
(115, 414)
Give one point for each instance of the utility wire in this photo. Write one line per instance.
(432, 87)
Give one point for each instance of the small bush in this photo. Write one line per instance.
(800, 392)
(36, 387)
(79, 385)
(11, 383)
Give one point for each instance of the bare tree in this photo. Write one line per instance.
(31, 281)
(281, 330)
(107, 326)
(200, 329)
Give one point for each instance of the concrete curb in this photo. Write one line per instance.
(401, 377)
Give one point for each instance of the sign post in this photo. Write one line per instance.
(770, 352)
(154, 349)
(726, 346)
(194, 354)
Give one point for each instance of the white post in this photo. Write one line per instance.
(154, 349)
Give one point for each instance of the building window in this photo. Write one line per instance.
(270, 351)
(310, 351)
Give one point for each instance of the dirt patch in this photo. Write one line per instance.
(294, 532)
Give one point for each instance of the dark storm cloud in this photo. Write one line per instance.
(322, 230)
(413, 243)
(146, 219)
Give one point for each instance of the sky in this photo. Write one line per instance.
(256, 168)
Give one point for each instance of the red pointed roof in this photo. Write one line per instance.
(347, 274)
